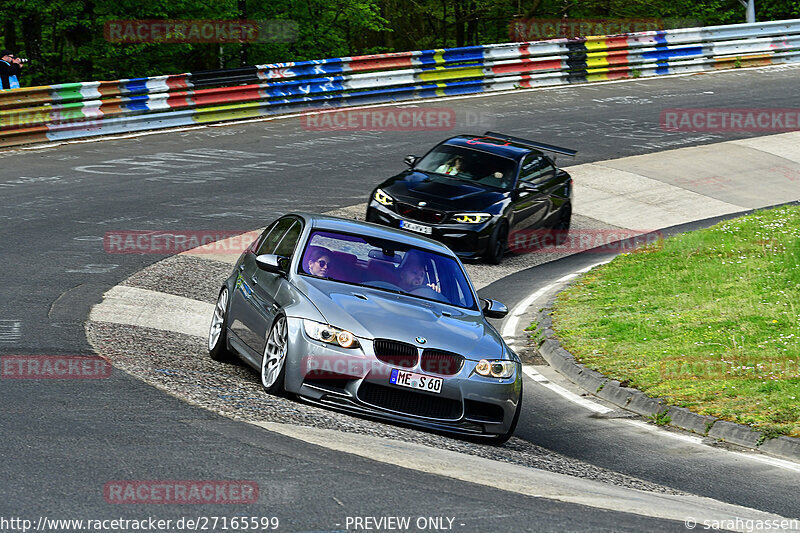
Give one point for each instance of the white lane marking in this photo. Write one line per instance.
(155, 310)
(10, 331)
(772, 461)
(509, 332)
(112, 137)
(534, 375)
(561, 391)
(520, 479)
(678, 436)
(587, 269)
(93, 269)
(510, 326)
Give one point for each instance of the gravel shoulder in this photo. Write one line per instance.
(179, 365)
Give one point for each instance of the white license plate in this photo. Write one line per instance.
(419, 228)
(416, 381)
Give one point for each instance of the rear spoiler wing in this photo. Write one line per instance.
(532, 144)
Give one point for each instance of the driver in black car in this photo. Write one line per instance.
(452, 167)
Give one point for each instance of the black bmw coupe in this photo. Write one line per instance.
(471, 192)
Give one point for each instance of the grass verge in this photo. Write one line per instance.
(708, 320)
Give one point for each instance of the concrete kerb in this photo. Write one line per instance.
(782, 446)
(638, 402)
(684, 418)
(735, 433)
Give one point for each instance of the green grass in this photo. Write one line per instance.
(708, 320)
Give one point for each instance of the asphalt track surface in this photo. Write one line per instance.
(63, 440)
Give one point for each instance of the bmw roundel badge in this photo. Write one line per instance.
(421, 340)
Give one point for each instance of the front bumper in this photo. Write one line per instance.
(466, 240)
(358, 382)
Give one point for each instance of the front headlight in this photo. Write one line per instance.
(495, 368)
(383, 198)
(471, 218)
(330, 334)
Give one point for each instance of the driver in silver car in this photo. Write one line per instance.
(412, 275)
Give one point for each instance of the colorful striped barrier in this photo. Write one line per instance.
(60, 112)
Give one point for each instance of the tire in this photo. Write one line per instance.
(218, 331)
(497, 244)
(561, 227)
(273, 362)
(564, 217)
(502, 438)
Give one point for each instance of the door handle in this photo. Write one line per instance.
(254, 280)
(241, 268)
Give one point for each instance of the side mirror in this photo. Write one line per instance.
(524, 189)
(411, 160)
(277, 264)
(494, 309)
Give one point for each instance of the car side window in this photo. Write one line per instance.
(536, 168)
(274, 236)
(289, 240)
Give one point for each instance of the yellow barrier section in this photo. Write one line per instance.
(450, 74)
(228, 112)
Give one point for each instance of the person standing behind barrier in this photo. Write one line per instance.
(10, 67)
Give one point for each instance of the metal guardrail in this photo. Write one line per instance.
(67, 111)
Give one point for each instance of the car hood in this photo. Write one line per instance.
(439, 192)
(372, 313)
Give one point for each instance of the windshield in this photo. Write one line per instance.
(388, 266)
(469, 165)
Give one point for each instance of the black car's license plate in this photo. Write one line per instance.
(419, 228)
